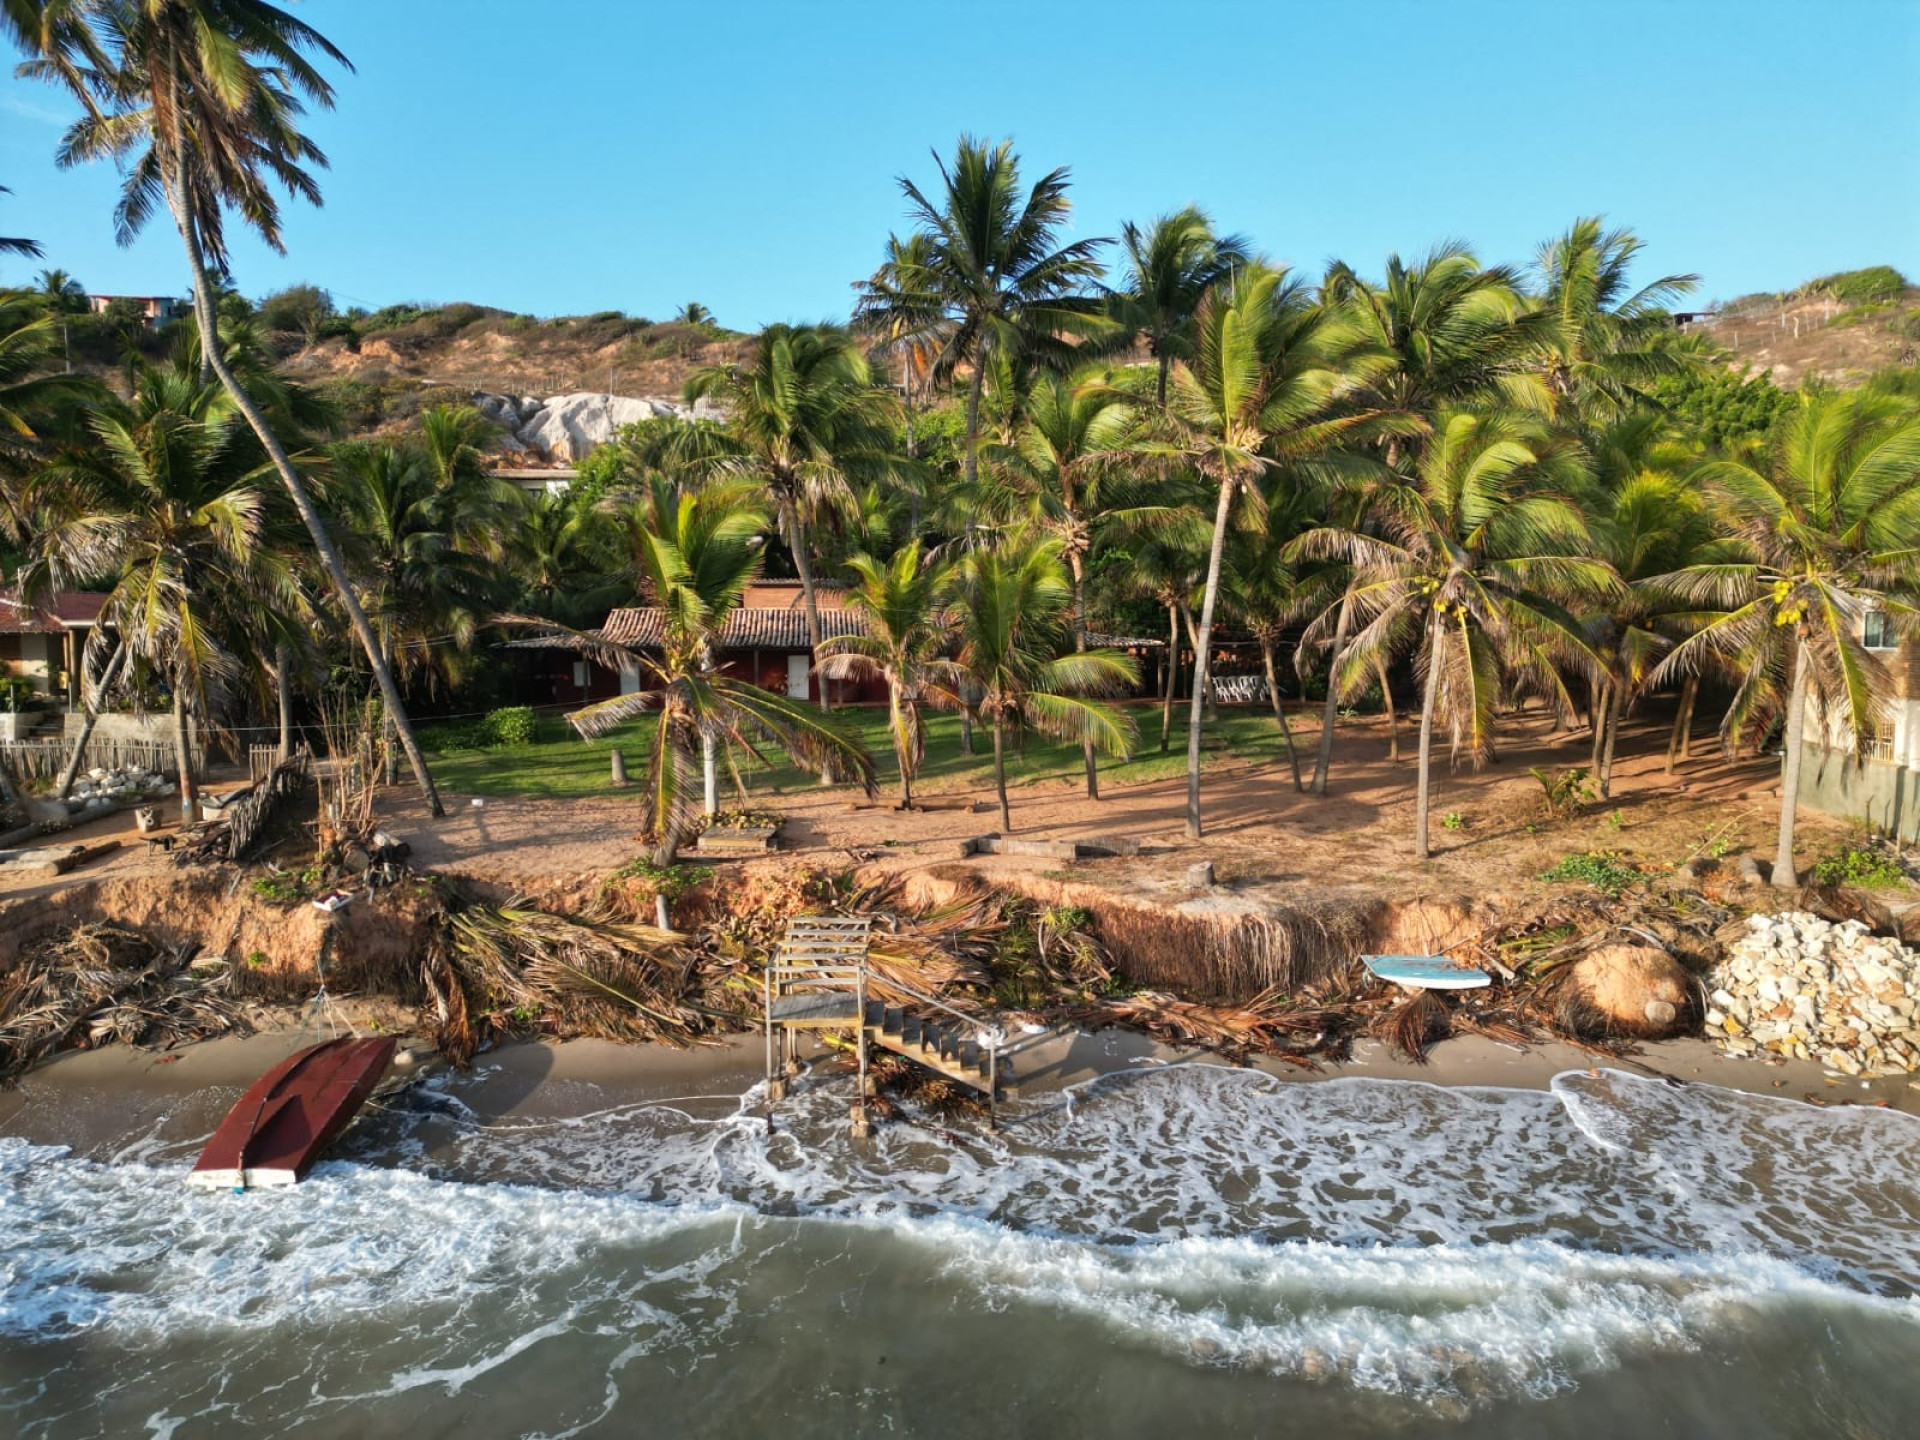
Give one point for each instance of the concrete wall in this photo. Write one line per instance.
(157, 727)
(1885, 796)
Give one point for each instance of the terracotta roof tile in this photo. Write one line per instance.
(746, 629)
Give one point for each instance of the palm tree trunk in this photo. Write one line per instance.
(797, 537)
(710, 773)
(973, 423)
(283, 683)
(211, 357)
(1202, 640)
(183, 753)
(1172, 678)
(1080, 645)
(1784, 875)
(1393, 720)
(1000, 772)
(89, 718)
(1279, 710)
(1423, 795)
(1680, 742)
(1597, 708)
(900, 751)
(1330, 711)
(1160, 391)
(1614, 693)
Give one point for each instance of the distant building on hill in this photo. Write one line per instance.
(157, 310)
(1884, 788)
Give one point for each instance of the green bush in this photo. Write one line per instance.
(1860, 866)
(1857, 287)
(17, 694)
(505, 729)
(1608, 871)
(509, 727)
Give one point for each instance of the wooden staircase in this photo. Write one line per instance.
(819, 979)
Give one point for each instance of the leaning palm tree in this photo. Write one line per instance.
(994, 273)
(1265, 387)
(1830, 531)
(199, 102)
(1169, 265)
(1477, 558)
(695, 553)
(804, 419)
(900, 605)
(1011, 606)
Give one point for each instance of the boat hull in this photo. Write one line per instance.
(286, 1121)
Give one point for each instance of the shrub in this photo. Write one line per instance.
(1566, 790)
(1861, 866)
(1856, 287)
(1608, 871)
(17, 694)
(303, 310)
(1453, 820)
(508, 727)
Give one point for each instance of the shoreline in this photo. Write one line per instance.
(120, 1103)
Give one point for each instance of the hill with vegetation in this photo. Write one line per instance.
(1840, 329)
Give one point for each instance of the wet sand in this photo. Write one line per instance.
(122, 1103)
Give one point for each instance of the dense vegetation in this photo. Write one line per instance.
(1477, 483)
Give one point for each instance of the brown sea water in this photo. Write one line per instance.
(1172, 1250)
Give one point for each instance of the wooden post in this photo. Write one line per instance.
(619, 763)
(862, 1122)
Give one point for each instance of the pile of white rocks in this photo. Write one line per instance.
(100, 790)
(1796, 985)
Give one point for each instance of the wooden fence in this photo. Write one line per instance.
(39, 762)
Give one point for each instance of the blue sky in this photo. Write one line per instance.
(634, 156)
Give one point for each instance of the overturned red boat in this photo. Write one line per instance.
(292, 1113)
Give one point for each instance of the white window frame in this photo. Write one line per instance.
(1888, 639)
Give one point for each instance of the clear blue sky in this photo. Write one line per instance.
(614, 155)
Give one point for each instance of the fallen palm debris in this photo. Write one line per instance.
(101, 984)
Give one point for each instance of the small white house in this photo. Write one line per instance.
(1883, 790)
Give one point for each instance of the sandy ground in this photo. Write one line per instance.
(126, 1104)
(1261, 835)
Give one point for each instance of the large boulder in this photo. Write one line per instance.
(569, 427)
(1627, 990)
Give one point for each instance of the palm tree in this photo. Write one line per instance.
(1829, 532)
(994, 272)
(1066, 448)
(1477, 557)
(1169, 266)
(696, 552)
(62, 296)
(1264, 388)
(166, 507)
(899, 602)
(1010, 615)
(804, 418)
(425, 592)
(1262, 591)
(199, 101)
(1452, 332)
(1603, 342)
(561, 554)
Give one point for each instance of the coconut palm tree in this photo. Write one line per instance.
(199, 103)
(560, 552)
(1603, 342)
(425, 592)
(1169, 265)
(899, 602)
(804, 419)
(1829, 529)
(1265, 388)
(1477, 558)
(1451, 332)
(696, 551)
(167, 508)
(1068, 450)
(994, 271)
(1011, 612)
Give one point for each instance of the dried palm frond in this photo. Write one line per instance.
(1413, 1025)
(1266, 1024)
(93, 985)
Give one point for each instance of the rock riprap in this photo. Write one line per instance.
(1799, 986)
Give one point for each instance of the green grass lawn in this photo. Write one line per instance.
(559, 766)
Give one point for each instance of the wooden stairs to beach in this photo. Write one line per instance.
(819, 979)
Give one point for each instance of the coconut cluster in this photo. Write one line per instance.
(1796, 985)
